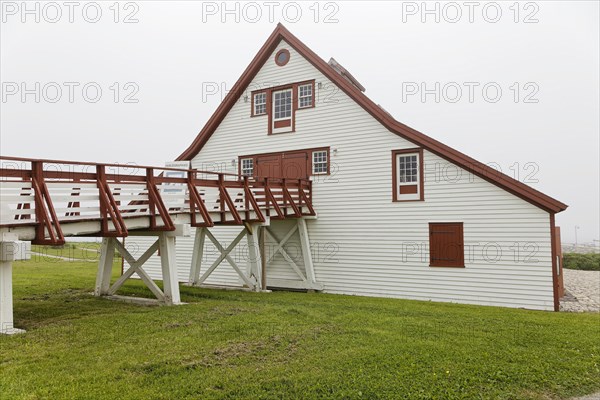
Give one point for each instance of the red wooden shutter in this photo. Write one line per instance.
(446, 246)
(268, 166)
(295, 165)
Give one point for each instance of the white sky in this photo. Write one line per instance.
(177, 48)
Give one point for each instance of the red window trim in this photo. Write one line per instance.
(421, 184)
(286, 51)
(240, 158)
(255, 92)
(297, 99)
(295, 102)
(309, 151)
(460, 262)
(310, 162)
(270, 105)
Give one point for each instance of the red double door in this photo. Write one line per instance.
(288, 165)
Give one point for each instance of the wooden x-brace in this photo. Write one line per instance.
(136, 267)
(166, 243)
(280, 249)
(225, 255)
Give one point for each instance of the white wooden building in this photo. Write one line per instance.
(399, 214)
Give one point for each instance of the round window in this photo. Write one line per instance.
(282, 57)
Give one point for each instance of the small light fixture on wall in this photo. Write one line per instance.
(320, 85)
(335, 151)
(233, 162)
(245, 98)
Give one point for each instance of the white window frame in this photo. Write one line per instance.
(320, 163)
(417, 182)
(291, 116)
(245, 170)
(256, 103)
(309, 96)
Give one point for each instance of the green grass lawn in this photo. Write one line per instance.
(89, 251)
(232, 344)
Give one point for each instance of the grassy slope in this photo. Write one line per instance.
(230, 344)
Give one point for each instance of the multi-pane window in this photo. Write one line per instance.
(408, 169)
(282, 104)
(260, 103)
(247, 166)
(319, 162)
(407, 175)
(305, 96)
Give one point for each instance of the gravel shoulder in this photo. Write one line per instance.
(582, 292)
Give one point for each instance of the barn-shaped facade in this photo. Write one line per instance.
(398, 214)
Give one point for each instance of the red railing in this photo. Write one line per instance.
(66, 191)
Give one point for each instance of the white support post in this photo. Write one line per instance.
(107, 253)
(169, 269)
(197, 254)
(254, 258)
(6, 297)
(166, 244)
(306, 253)
(7, 255)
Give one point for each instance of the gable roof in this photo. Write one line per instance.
(475, 167)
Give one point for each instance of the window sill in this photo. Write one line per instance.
(403, 201)
(280, 133)
(446, 266)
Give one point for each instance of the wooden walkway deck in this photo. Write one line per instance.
(46, 200)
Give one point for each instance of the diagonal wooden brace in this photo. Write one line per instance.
(196, 200)
(307, 201)
(155, 203)
(251, 201)
(136, 267)
(44, 209)
(225, 256)
(108, 206)
(286, 194)
(271, 200)
(225, 199)
(284, 253)
(166, 242)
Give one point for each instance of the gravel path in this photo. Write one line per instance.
(582, 291)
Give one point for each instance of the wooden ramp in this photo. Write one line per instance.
(44, 201)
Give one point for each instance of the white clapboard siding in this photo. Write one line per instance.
(362, 242)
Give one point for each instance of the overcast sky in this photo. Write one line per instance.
(155, 65)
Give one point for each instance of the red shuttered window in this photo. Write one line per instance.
(446, 245)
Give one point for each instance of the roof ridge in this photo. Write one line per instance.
(473, 166)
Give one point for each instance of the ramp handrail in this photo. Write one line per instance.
(69, 191)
